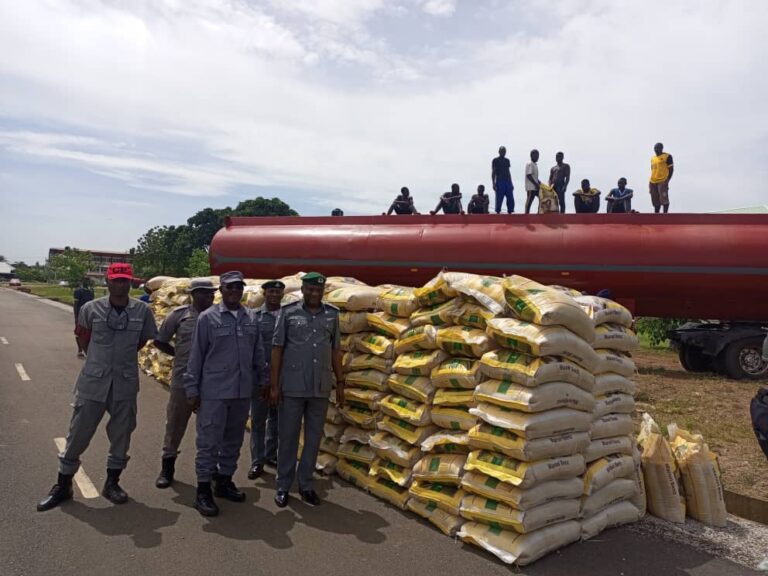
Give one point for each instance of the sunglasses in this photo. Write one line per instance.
(115, 321)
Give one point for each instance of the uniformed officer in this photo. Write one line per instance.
(263, 415)
(112, 330)
(225, 362)
(305, 358)
(180, 323)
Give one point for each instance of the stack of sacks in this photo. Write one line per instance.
(367, 363)
(524, 472)
(614, 491)
(329, 446)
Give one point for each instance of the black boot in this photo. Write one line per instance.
(60, 492)
(166, 474)
(204, 502)
(112, 490)
(225, 488)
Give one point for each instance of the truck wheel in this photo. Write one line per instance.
(694, 360)
(743, 360)
(682, 354)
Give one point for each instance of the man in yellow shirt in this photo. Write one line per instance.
(661, 173)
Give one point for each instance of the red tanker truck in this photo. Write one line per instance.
(707, 266)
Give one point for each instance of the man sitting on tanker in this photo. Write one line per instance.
(619, 200)
(450, 202)
(586, 199)
(403, 204)
(479, 202)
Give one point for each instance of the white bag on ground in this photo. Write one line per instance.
(663, 493)
(616, 491)
(616, 514)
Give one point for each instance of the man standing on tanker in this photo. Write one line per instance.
(662, 169)
(305, 358)
(532, 183)
(502, 181)
(559, 177)
(112, 330)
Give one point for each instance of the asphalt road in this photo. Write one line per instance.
(158, 533)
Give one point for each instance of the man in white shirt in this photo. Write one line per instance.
(532, 182)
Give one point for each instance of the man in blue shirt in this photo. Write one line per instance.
(619, 199)
(83, 294)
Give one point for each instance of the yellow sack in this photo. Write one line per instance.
(353, 322)
(613, 361)
(329, 445)
(405, 409)
(418, 338)
(603, 311)
(354, 362)
(702, 484)
(536, 340)
(520, 499)
(326, 463)
(612, 425)
(353, 297)
(614, 403)
(405, 430)
(335, 282)
(532, 426)
(464, 341)
(538, 399)
(417, 388)
(616, 491)
(445, 496)
(472, 315)
(369, 398)
(525, 474)
(440, 468)
(539, 304)
(389, 325)
(392, 448)
(456, 373)
(610, 382)
(487, 290)
(496, 439)
(447, 523)
(333, 415)
(615, 337)
(390, 492)
(521, 549)
(639, 499)
(435, 291)
(497, 513)
(398, 301)
(371, 343)
(359, 416)
(357, 452)
(602, 472)
(384, 468)
(356, 473)
(347, 343)
(446, 442)
(606, 446)
(448, 397)
(453, 417)
(437, 315)
(532, 371)
(614, 515)
(662, 477)
(355, 434)
(370, 379)
(333, 431)
(418, 363)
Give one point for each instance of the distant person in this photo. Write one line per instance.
(450, 202)
(532, 182)
(83, 293)
(337, 212)
(479, 202)
(661, 173)
(559, 177)
(586, 199)
(402, 204)
(619, 200)
(502, 181)
(146, 297)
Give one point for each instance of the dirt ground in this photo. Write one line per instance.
(710, 405)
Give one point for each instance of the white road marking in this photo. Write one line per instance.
(87, 489)
(3, 340)
(22, 373)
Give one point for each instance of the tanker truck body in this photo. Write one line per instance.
(704, 266)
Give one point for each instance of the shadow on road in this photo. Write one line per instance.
(140, 522)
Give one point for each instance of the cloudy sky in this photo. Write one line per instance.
(118, 116)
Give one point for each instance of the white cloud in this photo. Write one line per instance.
(439, 7)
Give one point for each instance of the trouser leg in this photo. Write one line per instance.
(122, 423)
(234, 432)
(211, 420)
(270, 448)
(314, 420)
(511, 199)
(177, 415)
(290, 414)
(499, 198)
(560, 191)
(259, 409)
(86, 417)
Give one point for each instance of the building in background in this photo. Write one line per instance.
(100, 260)
(6, 271)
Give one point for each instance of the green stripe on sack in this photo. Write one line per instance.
(491, 504)
(434, 464)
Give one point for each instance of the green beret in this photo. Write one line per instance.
(313, 279)
(273, 284)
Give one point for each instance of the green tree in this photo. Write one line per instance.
(655, 329)
(71, 265)
(27, 273)
(198, 264)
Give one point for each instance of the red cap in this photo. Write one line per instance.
(119, 270)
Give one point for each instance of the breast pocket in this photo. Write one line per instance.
(101, 334)
(223, 331)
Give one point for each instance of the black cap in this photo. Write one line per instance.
(273, 284)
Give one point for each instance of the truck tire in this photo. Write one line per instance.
(743, 360)
(694, 360)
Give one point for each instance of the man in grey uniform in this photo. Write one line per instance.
(179, 327)
(112, 330)
(305, 358)
(225, 362)
(263, 415)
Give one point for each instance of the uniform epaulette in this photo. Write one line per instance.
(332, 306)
(290, 304)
